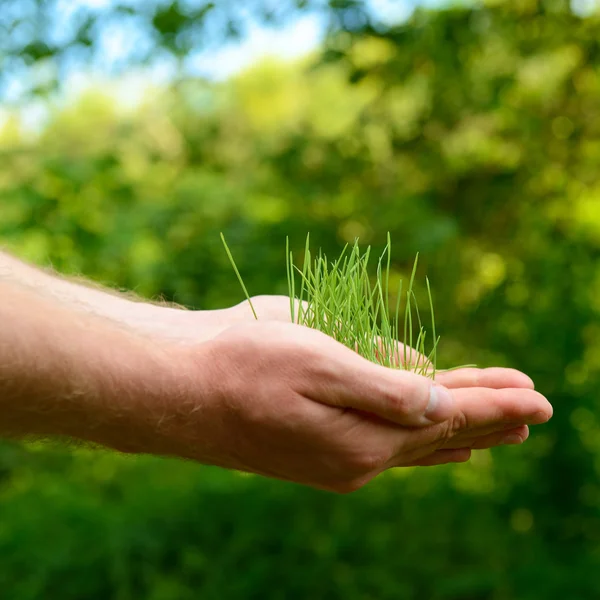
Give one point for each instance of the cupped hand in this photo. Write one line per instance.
(194, 327)
(289, 402)
(191, 327)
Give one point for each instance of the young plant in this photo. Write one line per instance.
(342, 300)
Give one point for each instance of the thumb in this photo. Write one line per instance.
(399, 396)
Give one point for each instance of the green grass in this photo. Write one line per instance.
(343, 300)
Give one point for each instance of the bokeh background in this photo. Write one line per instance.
(132, 133)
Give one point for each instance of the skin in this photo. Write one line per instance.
(267, 397)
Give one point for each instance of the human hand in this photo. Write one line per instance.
(265, 397)
(181, 326)
(289, 402)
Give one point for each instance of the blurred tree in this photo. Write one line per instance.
(41, 39)
(473, 135)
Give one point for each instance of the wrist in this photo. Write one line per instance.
(180, 326)
(59, 368)
(116, 382)
(162, 401)
(130, 384)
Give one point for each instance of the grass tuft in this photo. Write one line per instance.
(342, 300)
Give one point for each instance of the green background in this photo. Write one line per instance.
(472, 134)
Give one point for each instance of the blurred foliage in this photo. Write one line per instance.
(40, 40)
(473, 136)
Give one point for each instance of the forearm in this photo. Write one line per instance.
(80, 296)
(69, 374)
(161, 320)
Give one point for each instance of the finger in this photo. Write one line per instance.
(482, 407)
(465, 438)
(479, 408)
(496, 378)
(347, 380)
(507, 436)
(480, 413)
(511, 437)
(443, 457)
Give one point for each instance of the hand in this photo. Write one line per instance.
(264, 397)
(195, 326)
(291, 403)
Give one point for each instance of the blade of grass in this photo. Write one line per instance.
(289, 259)
(435, 338)
(238, 275)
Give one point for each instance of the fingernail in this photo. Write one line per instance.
(441, 403)
(512, 439)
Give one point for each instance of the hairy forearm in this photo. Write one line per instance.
(167, 322)
(64, 373)
(78, 295)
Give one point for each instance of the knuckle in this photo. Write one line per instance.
(445, 440)
(447, 432)
(459, 423)
(366, 462)
(449, 429)
(396, 399)
(415, 393)
(405, 398)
